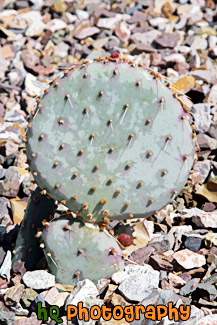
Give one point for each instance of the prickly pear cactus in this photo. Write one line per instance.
(39, 209)
(75, 251)
(110, 139)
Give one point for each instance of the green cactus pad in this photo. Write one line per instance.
(75, 251)
(110, 139)
(27, 249)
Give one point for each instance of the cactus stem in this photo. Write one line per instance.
(105, 213)
(127, 204)
(149, 154)
(93, 188)
(126, 107)
(75, 197)
(86, 111)
(68, 97)
(103, 201)
(75, 175)
(139, 184)
(151, 200)
(61, 146)
(57, 185)
(117, 192)
(138, 83)
(110, 181)
(92, 136)
(35, 173)
(101, 93)
(148, 121)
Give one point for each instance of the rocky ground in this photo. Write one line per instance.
(177, 247)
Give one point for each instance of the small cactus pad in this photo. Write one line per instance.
(110, 138)
(39, 209)
(75, 251)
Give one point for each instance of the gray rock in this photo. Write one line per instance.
(132, 269)
(203, 167)
(6, 316)
(201, 113)
(213, 130)
(138, 287)
(189, 287)
(88, 302)
(84, 289)
(5, 269)
(208, 320)
(11, 184)
(39, 280)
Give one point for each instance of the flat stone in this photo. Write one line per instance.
(39, 280)
(168, 40)
(213, 130)
(6, 316)
(205, 219)
(188, 259)
(55, 24)
(109, 23)
(119, 277)
(11, 183)
(141, 255)
(189, 287)
(54, 297)
(201, 113)
(13, 295)
(32, 86)
(28, 296)
(5, 269)
(185, 84)
(193, 243)
(138, 287)
(208, 207)
(208, 320)
(122, 31)
(132, 269)
(160, 264)
(203, 167)
(176, 280)
(87, 32)
(84, 289)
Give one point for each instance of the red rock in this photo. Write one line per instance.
(167, 40)
(87, 32)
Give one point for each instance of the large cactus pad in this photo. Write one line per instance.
(75, 251)
(110, 139)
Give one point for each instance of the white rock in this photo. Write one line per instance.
(56, 24)
(189, 259)
(6, 267)
(84, 289)
(131, 269)
(89, 302)
(201, 113)
(109, 23)
(82, 14)
(39, 280)
(208, 320)
(203, 167)
(32, 86)
(138, 287)
(119, 277)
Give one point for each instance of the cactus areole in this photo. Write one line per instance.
(110, 139)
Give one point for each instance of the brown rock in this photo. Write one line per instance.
(176, 280)
(13, 295)
(160, 264)
(169, 40)
(167, 9)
